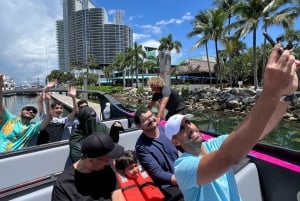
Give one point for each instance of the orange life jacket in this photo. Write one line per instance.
(140, 189)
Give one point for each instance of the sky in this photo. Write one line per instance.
(28, 31)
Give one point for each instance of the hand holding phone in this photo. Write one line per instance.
(270, 40)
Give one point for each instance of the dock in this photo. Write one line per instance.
(67, 101)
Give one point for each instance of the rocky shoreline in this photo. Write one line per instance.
(231, 100)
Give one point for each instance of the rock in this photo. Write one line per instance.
(230, 99)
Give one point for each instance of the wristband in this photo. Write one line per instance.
(290, 98)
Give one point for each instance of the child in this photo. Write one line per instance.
(135, 182)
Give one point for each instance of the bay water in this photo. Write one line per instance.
(286, 134)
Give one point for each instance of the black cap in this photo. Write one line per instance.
(34, 109)
(86, 113)
(98, 144)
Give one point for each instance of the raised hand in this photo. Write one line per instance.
(51, 84)
(280, 77)
(72, 91)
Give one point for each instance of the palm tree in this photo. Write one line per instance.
(232, 47)
(201, 27)
(149, 65)
(226, 7)
(271, 17)
(216, 19)
(119, 60)
(249, 13)
(166, 46)
(137, 54)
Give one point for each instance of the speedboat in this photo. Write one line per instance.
(268, 173)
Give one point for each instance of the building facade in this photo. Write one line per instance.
(85, 32)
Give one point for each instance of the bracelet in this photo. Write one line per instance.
(290, 98)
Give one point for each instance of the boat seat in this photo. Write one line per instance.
(40, 163)
(247, 180)
(129, 137)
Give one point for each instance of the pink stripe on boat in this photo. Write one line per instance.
(266, 157)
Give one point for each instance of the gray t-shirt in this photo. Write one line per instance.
(175, 103)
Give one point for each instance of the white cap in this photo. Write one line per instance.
(172, 126)
(107, 104)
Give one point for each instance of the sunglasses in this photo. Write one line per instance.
(30, 109)
(186, 122)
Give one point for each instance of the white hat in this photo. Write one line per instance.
(172, 126)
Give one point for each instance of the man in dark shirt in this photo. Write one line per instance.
(156, 154)
(169, 99)
(91, 177)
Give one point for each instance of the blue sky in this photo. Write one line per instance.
(28, 38)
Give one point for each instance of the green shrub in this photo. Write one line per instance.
(140, 90)
(185, 92)
(107, 89)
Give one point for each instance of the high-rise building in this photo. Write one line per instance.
(85, 34)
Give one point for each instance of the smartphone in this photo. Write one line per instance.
(270, 40)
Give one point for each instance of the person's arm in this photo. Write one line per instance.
(72, 92)
(162, 106)
(51, 84)
(263, 117)
(75, 142)
(48, 116)
(39, 102)
(151, 104)
(1, 95)
(151, 165)
(166, 93)
(45, 91)
(117, 195)
(58, 193)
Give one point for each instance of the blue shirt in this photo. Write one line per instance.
(157, 156)
(14, 134)
(223, 188)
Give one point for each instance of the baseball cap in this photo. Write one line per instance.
(34, 108)
(99, 144)
(173, 124)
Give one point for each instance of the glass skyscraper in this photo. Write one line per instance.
(85, 32)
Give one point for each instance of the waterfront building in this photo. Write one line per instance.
(86, 34)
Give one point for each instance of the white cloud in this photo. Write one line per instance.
(151, 28)
(187, 17)
(151, 43)
(28, 38)
(137, 36)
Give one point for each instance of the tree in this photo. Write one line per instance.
(233, 47)
(202, 27)
(60, 76)
(166, 46)
(249, 13)
(119, 60)
(138, 54)
(214, 30)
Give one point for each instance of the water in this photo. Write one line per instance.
(286, 135)
(15, 103)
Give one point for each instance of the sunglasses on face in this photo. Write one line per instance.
(186, 122)
(30, 109)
